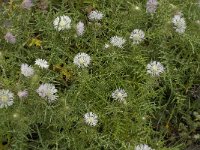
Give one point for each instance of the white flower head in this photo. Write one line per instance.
(179, 23)
(41, 63)
(151, 6)
(143, 147)
(6, 98)
(137, 36)
(48, 92)
(62, 23)
(155, 68)
(27, 70)
(10, 38)
(119, 95)
(80, 28)
(82, 60)
(95, 15)
(91, 119)
(22, 94)
(117, 41)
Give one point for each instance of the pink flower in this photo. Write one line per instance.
(151, 6)
(22, 94)
(10, 38)
(27, 4)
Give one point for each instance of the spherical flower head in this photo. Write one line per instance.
(82, 60)
(155, 68)
(62, 23)
(143, 147)
(80, 28)
(27, 4)
(91, 119)
(10, 38)
(27, 70)
(151, 6)
(119, 95)
(95, 15)
(22, 94)
(47, 91)
(117, 41)
(179, 23)
(6, 98)
(137, 36)
(41, 63)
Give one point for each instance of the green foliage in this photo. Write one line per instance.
(159, 110)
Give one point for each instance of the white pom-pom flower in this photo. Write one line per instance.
(41, 63)
(155, 68)
(117, 41)
(151, 6)
(80, 28)
(91, 119)
(48, 92)
(82, 60)
(6, 98)
(179, 23)
(27, 70)
(95, 15)
(62, 23)
(143, 147)
(119, 95)
(137, 36)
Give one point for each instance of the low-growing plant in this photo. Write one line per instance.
(99, 74)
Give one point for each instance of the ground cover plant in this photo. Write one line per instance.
(99, 74)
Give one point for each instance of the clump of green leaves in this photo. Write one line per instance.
(160, 111)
